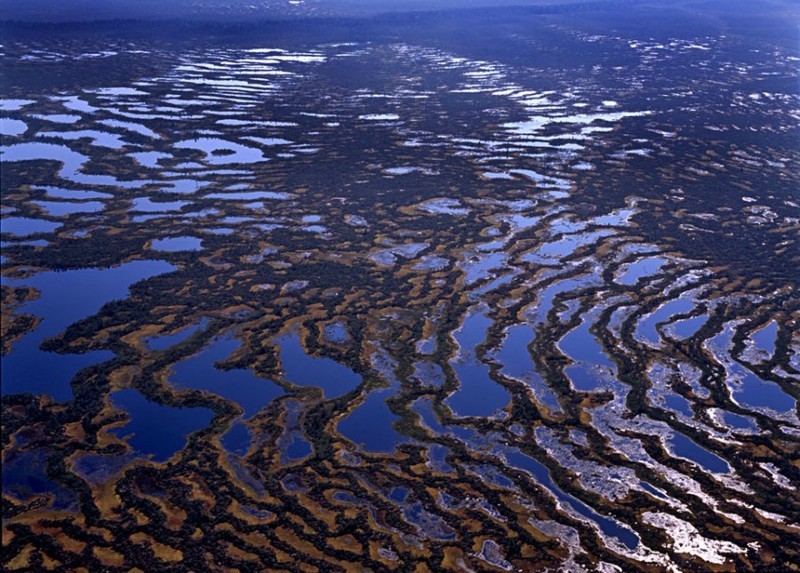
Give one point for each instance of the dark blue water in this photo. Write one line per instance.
(478, 394)
(545, 297)
(24, 226)
(237, 439)
(686, 448)
(156, 430)
(370, 424)
(642, 268)
(647, 327)
(175, 244)
(649, 488)
(473, 331)
(298, 449)
(66, 296)
(398, 494)
(517, 363)
(739, 422)
(542, 474)
(470, 436)
(766, 337)
(514, 354)
(335, 379)
(757, 393)
(61, 209)
(688, 326)
(241, 386)
(678, 403)
(424, 408)
(581, 345)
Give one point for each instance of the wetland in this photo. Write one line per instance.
(470, 290)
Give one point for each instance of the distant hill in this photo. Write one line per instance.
(235, 10)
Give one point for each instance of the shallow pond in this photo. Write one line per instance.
(751, 391)
(98, 138)
(61, 209)
(765, 337)
(242, 386)
(479, 266)
(539, 471)
(250, 196)
(147, 205)
(337, 333)
(371, 424)
(478, 394)
(335, 379)
(24, 226)
(221, 152)
(585, 378)
(77, 194)
(646, 329)
(517, 363)
(66, 296)
(640, 269)
(14, 104)
(293, 443)
(150, 159)
(686, 448)
(58, 118)
(72, 163)
(12, 127)
(237, 439)
(581, 345)
(175, 244)
(428, 374)
(568, 244)
(159, 440)
(688, 326)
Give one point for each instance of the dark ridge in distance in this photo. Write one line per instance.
(358, 27)
(247, 11)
